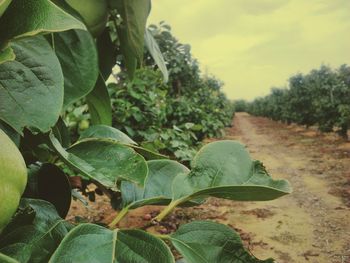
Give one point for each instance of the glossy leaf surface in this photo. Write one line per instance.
(31, 87)
(209, 242)
(93, 243)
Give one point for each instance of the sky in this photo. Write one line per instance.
(258, 44)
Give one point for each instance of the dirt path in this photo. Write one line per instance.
(310, 225)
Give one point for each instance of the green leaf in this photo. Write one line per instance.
(107, 53)
(110, 133)
(99, 104)
(149, 154)
(115, 161)
(157, 189)
(7, 54)
(220, 165)
(106, 132)
(224, 169)
(51, 19)
(6, 259)
(14, 136)
(31, 87)
(34, 233)
(77, 54)
(156, 54)
(104, 161)
(61, 132)
(3, 6)
(209, 242)
(49, 183)
(93, 243)
(131, 33)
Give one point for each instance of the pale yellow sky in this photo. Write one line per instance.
(253, 45)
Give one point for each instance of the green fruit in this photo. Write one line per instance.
(94, 13)
(13, 178)
(84, 124)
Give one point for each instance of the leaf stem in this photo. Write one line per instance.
(164, 237)
(167, 210)
(119, 217)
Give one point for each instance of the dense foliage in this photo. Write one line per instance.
(53, 67)
(172, 117)
(321, 97)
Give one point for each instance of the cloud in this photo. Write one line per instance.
(253, 45)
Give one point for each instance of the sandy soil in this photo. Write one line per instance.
(310, 225)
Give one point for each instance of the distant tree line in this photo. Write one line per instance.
(321, 97)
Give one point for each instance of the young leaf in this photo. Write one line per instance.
(99, 103)
(224, 169)
(156, 54)
(104, 161)
(131, 33)
(77, 54)
(209, 242)
(93, 243)
(32, 86)
(51, 19)
(33, 235)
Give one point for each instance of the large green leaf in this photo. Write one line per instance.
(224, 169)
(104, 161)
(99, 104)
(77, 54)
(156, 54)
(157, 189)
(34, 233)
(93, 243)
(30, 17)
(31, 87)
(110, 133)
(106, 132)
(209, 242)
(115, 161)
(131, 33)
